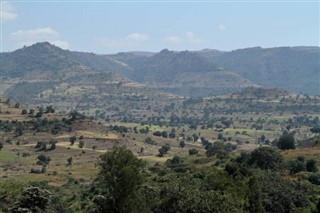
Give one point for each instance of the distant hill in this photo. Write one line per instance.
(48, 62)
(44, 70)
(166, 66)
(296, 69)
(39, 61)
(45, 74)
(183, 73)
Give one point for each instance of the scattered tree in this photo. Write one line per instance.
(286, 141)
(311, 166)
(120, 178)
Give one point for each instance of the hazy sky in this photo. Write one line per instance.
(109, 27)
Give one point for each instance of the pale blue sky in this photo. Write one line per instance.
(110, 27)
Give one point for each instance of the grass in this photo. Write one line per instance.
(89, 135)
(308, 153)
(7, 156)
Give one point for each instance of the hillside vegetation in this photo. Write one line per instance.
(262, 156)
(292, 68)
(159, 132)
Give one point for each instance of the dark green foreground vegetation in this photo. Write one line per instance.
(251, 182)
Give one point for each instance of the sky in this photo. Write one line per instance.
(118, 26)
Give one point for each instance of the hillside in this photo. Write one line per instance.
(41, 61)
(183, 73)
(293, 68)
(41, 73)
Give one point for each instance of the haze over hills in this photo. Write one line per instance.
(44, 70)
(296, 69)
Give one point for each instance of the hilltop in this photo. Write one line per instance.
(42, 73)
(292, 68)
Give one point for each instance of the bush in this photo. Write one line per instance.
(296, 166)
(266, 158)
(286, 141)
(315, 178)
(193, 151)
(311, 166)
(164, 150)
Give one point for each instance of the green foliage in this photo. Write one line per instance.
(148, 140)
(43, 160)
(41, 145)
(52, 144)
(296, 166)
(193, 151)
(255, 196)
(69, 161)
(182, 144)
(10, 190)
(286, 141)
(185, 195)
(72, 140)
(81, 144)
(164, 150)
(49, 109)
(220, 149)
(315, 178)
(311, 166)
(315, 130)
(119, 180)
(280, 195)
(266, 158)
(33, 200)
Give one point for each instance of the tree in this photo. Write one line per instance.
(72, 140)
(221, 149)
(164, 134)
(31, 111)
(24, 112)
(266, 158)
(315, 130)
(315, 178)
(49, 109)
(164, 150)
(280, 195)
(43, 160)
(69, 161)
(311, 166)
(175, 160)
(255, 196)
(193, 151)
(286, 141)
(182, 144)
(120, 178)
(296, 166)
(39, 114)
(220, 136)
(33, 199)
(81, 144)
(52, 144)
(318, 206)
(172, 134)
